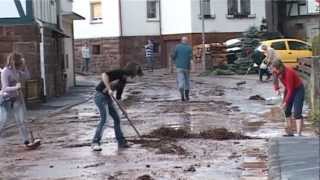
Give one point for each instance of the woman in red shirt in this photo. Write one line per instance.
(293, 94)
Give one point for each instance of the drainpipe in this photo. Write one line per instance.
(120, 18)
(42, 61)
(120, 31)
(160, 32)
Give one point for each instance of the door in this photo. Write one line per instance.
(281, 49)
(298, 49)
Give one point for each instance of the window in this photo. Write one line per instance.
(206, 8)
(232, 7)
(96, 49)
(295, 45)
(96, 11)
(245, 7)
(152, 9)
(281, 45)
(239, 8)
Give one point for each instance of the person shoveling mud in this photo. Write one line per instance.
(12, 100)
(293, 95)
(103, 100)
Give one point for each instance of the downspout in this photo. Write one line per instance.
(120, 18)
(161, 38)
(42, 60)
(121, 32)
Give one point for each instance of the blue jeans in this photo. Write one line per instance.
(183, 79)
(85, 66)
(103, 102)
(296, 103)
(16, 110)
(150, 61)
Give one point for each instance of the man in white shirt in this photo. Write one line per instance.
(86, 55)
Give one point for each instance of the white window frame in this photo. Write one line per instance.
(211, 15)
(232, 16)
(157, 18)
(98, 20)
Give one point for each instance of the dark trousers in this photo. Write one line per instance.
(262, 72)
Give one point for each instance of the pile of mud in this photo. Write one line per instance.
(216, 134)
(164, 138)
(165, 132)
(222, 134)
(145, 177)
(257, 98)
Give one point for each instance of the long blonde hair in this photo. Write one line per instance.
(14, 59)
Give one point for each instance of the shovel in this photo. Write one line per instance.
(126, 115)
(244, 82)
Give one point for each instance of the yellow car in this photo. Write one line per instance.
(289, 50)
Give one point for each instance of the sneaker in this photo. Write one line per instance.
(33, 145)
(297, 135)
(288, 135)
(96, 147)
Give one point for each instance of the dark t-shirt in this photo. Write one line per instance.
(114, 75)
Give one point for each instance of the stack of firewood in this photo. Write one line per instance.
(218, 52)
(216, 55)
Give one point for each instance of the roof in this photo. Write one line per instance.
(72, 16)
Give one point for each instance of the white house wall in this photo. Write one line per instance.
(312, 6)
(220, 23)
(110, 23)
(176, 16)
(45, 10)
(66, 5)
(134, 19)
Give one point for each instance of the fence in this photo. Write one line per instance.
(309, 69)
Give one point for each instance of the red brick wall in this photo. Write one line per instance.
(109, 57)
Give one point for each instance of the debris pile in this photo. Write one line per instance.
(164, 138)
(257, 98)
(165, 132)
(221, 134)
(145, 177)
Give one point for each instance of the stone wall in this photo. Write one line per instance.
(302, 27)
(54, 64)
(23, 39)
(107, 59)
(132, 50)
(117, 52)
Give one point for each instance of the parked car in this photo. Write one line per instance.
(234, 46)
(289, 50)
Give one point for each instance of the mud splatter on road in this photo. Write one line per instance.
(210, 136)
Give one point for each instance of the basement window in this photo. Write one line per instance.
(96, 49)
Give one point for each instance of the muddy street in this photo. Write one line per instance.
(153, 102)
